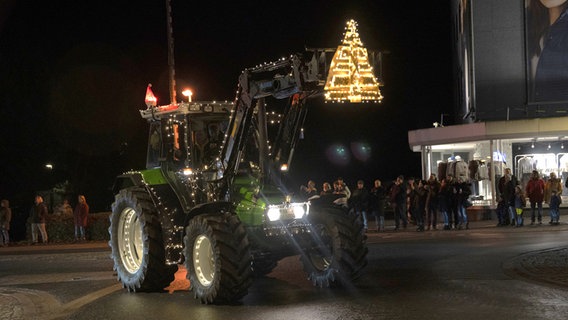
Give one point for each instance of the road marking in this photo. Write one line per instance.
(24, 304)
(14, 280)
(72, 306)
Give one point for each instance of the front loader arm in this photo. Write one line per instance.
(291, 78)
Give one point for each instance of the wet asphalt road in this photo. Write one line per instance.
(482, 273)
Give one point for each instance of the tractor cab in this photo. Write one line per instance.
(184, 141)
(186, 135)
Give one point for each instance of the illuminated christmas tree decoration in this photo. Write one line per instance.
(351, 77)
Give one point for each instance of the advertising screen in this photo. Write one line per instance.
(512, 59)
(547, 50)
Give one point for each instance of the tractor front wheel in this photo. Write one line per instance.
(217, 258)
(136, 242)
(340, 253)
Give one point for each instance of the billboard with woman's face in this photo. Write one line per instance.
(547, 50)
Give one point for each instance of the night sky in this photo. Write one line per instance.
(73, 76)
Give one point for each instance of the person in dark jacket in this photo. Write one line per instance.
(444, 203)
(433, 187)
(359, 201)
(502, 212)
(463, 191)
(38, 220)
(507, 185)
(419, 204)
(453, 215)
(397, 194)
(410, 199)
(377, 202)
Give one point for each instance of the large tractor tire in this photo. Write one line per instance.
(217, 258)
(136, 241)
(340, 250)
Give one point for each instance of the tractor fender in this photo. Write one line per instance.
(126, 180)
(217, 207)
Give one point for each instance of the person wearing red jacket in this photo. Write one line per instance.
(535, 192)
(80, 215)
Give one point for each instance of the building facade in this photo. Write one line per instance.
(511, 96)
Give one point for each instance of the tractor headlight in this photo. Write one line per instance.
(288, 211)
(298, 210)
(273, 213)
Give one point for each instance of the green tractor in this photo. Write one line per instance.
(212, 197)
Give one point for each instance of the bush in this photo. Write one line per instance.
(60, 228)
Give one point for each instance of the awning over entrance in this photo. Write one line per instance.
(512, 129)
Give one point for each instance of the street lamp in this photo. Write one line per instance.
(188, 94)
(49, 166)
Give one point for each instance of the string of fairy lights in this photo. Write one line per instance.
(350, 79)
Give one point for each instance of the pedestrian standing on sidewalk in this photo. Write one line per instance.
(433, 187)
(397, 194)
(38, 220)
(507, 185)
(520, 203)
(553, 184)
(5, 218)
(377, 202)
(420, 196)
(502, 212)
(535, 192)
(80, 215)
(463, 191)
(554, 204)
(359, 201)
(444, 203)
(453, 214)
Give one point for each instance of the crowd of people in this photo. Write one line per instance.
(38, 218)
(513, 199)
(422, 202)
(412, 201)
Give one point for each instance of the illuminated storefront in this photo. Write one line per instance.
(479, 152)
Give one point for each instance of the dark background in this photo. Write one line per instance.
(73, 76)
